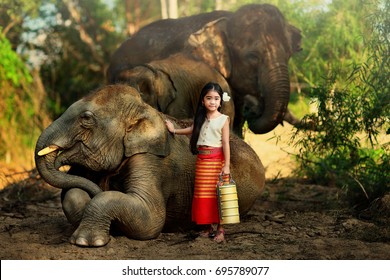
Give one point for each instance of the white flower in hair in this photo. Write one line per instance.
(225, 97)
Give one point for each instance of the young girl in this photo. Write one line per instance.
(210, 142)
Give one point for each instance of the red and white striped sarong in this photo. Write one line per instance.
(209, 164)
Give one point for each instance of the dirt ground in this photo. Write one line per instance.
(292, 220)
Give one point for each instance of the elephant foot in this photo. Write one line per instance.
(89, 238)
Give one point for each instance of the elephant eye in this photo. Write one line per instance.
(87, 119)
(252, 56)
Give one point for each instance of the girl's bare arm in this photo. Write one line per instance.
(226, 147)
(179, 131)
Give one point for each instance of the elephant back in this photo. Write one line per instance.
(158, 40)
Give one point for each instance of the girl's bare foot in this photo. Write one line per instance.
(220, 236)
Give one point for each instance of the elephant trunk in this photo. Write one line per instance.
(46, 152)
(276, 95)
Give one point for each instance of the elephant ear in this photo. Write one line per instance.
(210, 45)
(165, 89)
(146, 133)
(295, 38)
(154, 84)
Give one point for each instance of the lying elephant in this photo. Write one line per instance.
(127, 170)
(173, 85)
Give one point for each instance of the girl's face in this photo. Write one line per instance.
(212, 101)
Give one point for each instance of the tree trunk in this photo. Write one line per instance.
(173, 11)
(43, 119)
(169, 9)
(164, 9)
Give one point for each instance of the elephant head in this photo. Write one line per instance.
(251, 48)
(97, 135)
(173, 85)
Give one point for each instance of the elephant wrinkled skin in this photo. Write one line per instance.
(127, 171)
(250, 48)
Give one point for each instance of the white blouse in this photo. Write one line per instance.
(211, 132)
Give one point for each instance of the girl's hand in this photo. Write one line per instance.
(170, 126)
(225, 170)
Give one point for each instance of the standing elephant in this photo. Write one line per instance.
(127, 170)
(250, 48)
(173, 85)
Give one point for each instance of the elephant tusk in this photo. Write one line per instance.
(48, 150)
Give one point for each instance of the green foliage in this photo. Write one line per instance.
(298, 105)
(348, 147)
(335, 152)
(13, 75)
(332, 40)
(18, 121)
(11, 67)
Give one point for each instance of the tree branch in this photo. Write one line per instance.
(84, 36)
(14, 22)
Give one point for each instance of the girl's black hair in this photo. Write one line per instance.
(201, 114)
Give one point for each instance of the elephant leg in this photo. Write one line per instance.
(73, 204)
(138, 218)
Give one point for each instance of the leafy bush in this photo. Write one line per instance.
(20, 120)
(349, 145)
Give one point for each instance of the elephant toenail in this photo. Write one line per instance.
(82, 242)
(99, 242)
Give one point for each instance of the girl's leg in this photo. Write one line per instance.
(220, 236)
(207, 231)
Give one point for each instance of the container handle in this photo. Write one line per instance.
(221, 182)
